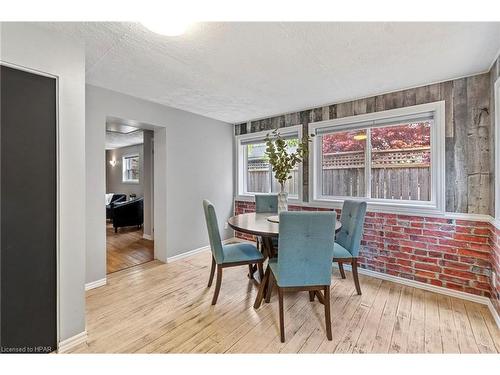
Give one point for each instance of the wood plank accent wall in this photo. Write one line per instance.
(469, 170)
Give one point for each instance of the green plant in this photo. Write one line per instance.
(280, 157)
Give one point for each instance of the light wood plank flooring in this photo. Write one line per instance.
(127, 248)
(165, 308)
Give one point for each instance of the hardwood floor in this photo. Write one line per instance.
(127, 248)
(165, 308)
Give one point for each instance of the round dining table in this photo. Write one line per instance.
(264, 225)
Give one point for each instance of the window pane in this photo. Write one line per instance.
(291, 185)
(401, 157)
(131, 168)
(258, 169)
(260, 178)
(343, 163)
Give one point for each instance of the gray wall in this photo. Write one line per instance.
(114, 183)
(27, 45)
(199, 164)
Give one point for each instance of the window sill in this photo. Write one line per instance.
(251, 198)
(424, 208)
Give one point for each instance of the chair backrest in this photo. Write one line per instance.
(352, 219)
(266, 203)
(213, 231)
(118, 198)
(306, 248)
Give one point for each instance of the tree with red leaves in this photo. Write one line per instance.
(387, 138)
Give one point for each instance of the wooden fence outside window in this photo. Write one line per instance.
(400, 174)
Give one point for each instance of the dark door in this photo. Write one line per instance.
(28, 212)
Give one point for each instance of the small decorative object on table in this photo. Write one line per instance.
(283, 160)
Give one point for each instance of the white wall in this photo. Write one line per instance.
(197, 164)
(29, 46)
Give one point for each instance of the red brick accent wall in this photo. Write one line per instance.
(495, 265)
(450, 253)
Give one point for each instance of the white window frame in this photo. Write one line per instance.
(130, 156)
(437, 202)
(241, 176)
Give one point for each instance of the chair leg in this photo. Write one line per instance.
(261, 271)
(282, 315)
(262, 289)
(311, 296)
(270, 285)
(250, 271)
(116, 229)
(355, 275)
(217, 284)
(341, 269)
(212, 272)
(328, 319)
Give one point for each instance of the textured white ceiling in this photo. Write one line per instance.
(241, 71)
(117, 140)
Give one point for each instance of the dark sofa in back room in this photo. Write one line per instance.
(117, 198)
(127, 214)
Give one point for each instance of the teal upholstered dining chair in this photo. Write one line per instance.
(304, 260)
(348, 240)
(266, 203)
(223, 256)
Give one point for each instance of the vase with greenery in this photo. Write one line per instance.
(284, 155)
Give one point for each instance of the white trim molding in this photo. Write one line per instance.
(437, 202)
(147, 237)
(403, 211)
(189, 253)
(95, 284)
(429, 287)
(68, 344)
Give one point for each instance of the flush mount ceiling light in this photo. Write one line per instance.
(167, 27)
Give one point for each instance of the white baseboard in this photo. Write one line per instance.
(68, 344)
(187, 254)
(95, 284)
(199, 250)
(494, 312)
(147, 236)
(431, 288)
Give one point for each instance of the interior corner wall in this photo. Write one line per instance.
(30, 46)
(495, 239)
(199, 165)
(148, 179)
(494, 76)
